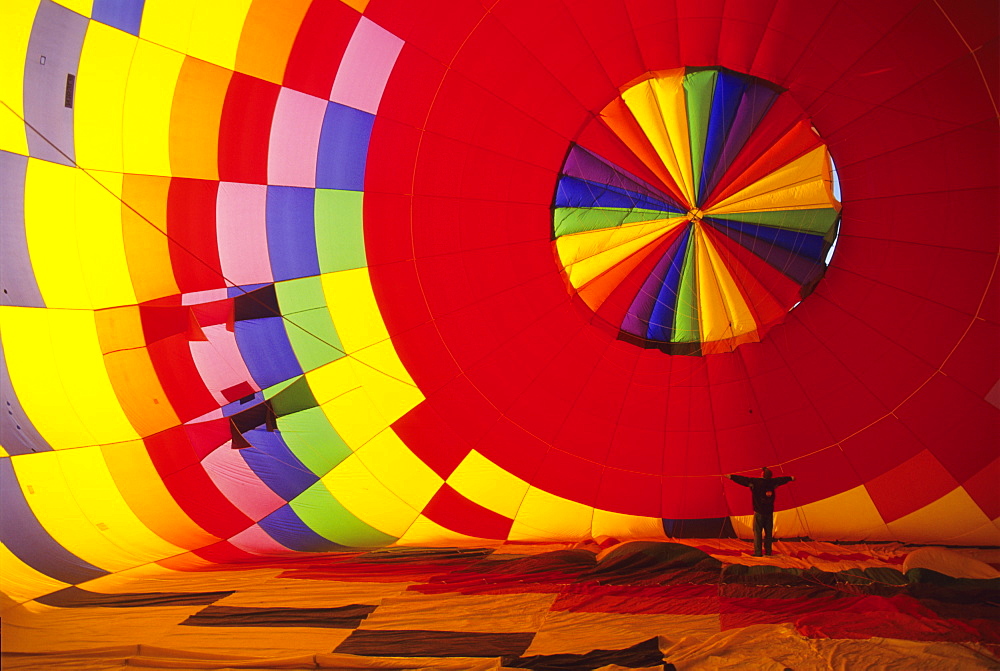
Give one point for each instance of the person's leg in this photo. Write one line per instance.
(756, 534)
(768, 528)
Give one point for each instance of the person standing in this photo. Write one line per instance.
(762, 491)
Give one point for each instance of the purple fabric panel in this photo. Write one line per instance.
(585, 165)
(754, 104)
(53, 54)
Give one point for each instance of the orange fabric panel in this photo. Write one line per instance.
(144, 225)
(268, 35)
(194, 119)
(143, 489)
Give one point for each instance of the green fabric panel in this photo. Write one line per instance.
(296, 397)
(304, 293)
(699, 89)
(340, 231)
(275, 389)
(578, 219)
(310, 330)
(313, 440)
(326, 516)
(819, 221)
(686, 315)
(314, 338)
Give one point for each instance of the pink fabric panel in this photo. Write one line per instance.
(295, 130)
(238, 483)
(219, 361)
(366, 66)
(256, 541)
(207, 296)
(241, 223)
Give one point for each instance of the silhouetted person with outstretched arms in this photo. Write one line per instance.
(762, 490)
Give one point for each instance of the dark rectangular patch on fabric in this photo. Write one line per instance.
(74, 597)
(417, 643)
(70, 89)
(640, 655)
(341, 617)
(257, 304)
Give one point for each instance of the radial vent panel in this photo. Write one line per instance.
(696, 211)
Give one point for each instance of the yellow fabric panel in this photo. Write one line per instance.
(659, 108)
(737, 313)
(50, 230)
(215, 31)
(387, 391)
(143, 490)
(369, 500)
(195, 117)
(851, 515)
(954, 519)
(547, 517)
(395, 466)
(55, 364)
(494, 613)
(586, 255)
(607, 524)
(713, 321)
(481, 481)
(796, 185)
(16, 19)
(144, 225)
(96, 493)
(386, 380)
(355, 313)
(672, 106)
(148, 97)
(359, 5)
(268, 34)
(53, 502)
(424, 532)
(100, 96)
(20, 582)
(3, 452)
(580, 632)
(82, 7)
(168, 23)
(345, 402)
(100, 241)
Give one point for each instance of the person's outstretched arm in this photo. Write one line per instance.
(782, 480)
(740, 479)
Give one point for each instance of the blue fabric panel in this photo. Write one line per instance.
(284, 526)
(661, 321)
(17, 276)
(233, 292)
(802, 269)
(21, 532)
(53, 54)
(125, 15)
(17, 434)
(266, 350)
(343, 148)
(575, 192)
(754, 105)
(729, 89)
(804, 244)
(231, 409)
(276, 465)
(636, 319)
(291, 232)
